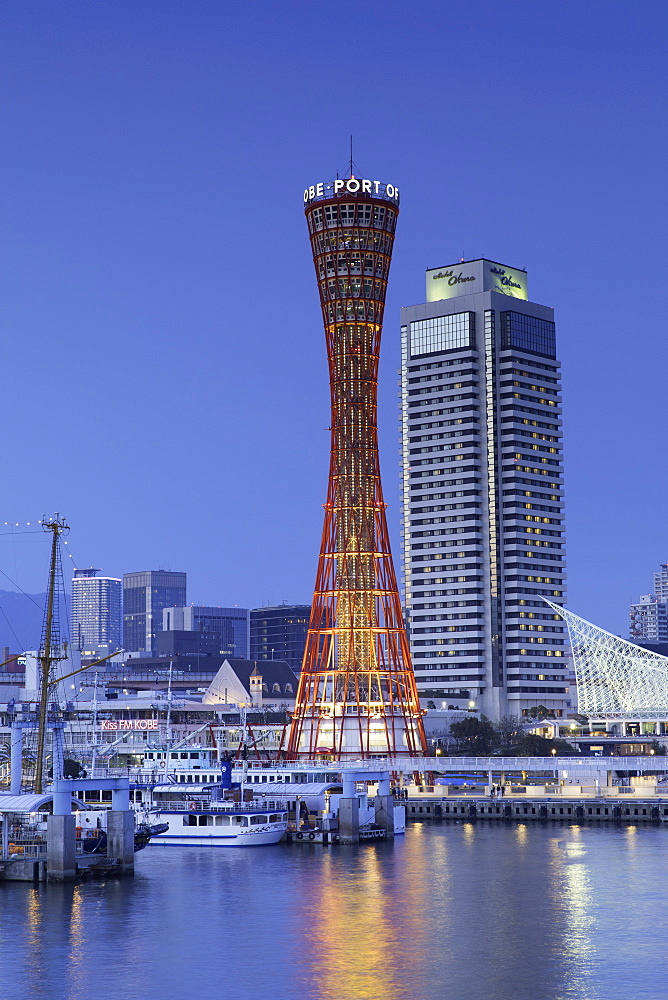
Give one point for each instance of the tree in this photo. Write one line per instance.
(476, 736)
(532, 745)
(71, 769)
(509, 732)
(540, 712)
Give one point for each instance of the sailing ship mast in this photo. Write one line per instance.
(50, 651)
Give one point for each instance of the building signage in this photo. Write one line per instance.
(120, 725)
(452, 278)
(472, 276)
(352, 185)
(504, 277)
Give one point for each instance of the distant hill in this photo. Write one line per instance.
(21, 620)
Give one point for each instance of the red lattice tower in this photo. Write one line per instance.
(357, 694)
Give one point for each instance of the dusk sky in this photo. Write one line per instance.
(163, 364)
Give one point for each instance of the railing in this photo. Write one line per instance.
(206, 805)
(26, 843)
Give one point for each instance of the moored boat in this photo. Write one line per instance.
(198, 818)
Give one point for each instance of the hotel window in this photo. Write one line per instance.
(527, 333)
(442, 333)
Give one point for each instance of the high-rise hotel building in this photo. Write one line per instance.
(97, 616)
(482, 493)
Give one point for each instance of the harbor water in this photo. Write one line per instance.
(517, 912)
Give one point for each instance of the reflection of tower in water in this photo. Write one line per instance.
(365, 935)
(357, 692)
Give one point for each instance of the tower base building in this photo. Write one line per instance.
(482, 493)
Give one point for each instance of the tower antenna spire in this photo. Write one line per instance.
(351, 156)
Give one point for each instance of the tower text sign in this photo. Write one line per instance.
(353, 185)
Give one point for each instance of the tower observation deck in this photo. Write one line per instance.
(357, 694)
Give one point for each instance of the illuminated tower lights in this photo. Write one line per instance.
(357, 694)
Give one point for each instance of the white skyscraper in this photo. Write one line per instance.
(661, 583)
(649, 617)
(482, 492)
(97, 616)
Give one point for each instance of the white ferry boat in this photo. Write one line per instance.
(198, 818)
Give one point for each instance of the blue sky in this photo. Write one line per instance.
(162, 357)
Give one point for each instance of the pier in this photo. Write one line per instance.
(36, 847)
(527, 789)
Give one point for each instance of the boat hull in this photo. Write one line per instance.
(216, 840)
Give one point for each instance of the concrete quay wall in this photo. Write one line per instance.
(563, 809)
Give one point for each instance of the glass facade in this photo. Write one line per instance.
(528, 333)
(145, 596)
(279, 633)
(231, 624)
(442, 333)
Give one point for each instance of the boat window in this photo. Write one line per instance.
(274, 818)
(271, 777)
(190, 820)
(174, 756)
(257, 820)
(240, 820)
(222, 820)
(203, 819)
(194, 756)
(184, 756)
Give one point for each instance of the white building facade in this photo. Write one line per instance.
(648, 619)
(482, 493)
(97, 613)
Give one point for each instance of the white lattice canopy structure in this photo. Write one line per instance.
(615, 678)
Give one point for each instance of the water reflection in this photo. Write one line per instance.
(492, 912)
(365, 935)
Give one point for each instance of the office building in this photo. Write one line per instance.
(97, 618)
(145, 596)
(482, 492)
(648, 619)
(279, 633)
(184, 642)
(230, 624)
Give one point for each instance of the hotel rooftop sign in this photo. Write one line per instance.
(472, 276)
